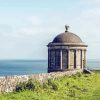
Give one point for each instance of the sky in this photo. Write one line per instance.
(27, 26)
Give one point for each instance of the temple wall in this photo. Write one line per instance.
(71, 64)
(83, 58)
(52, 59)
(65, 59)
(78, 59)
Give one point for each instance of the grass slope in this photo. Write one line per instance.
(75, 87)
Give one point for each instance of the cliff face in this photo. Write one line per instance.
(8, 83)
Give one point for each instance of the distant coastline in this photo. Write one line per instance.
(25, 67)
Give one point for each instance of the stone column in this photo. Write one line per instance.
(61, 59)
(49, 60)
(75, 62)
(68, 59)
(84, 58)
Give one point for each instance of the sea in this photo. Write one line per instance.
(25, 67)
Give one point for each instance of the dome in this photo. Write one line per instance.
(67, 37)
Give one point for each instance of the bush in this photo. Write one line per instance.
(30, 85)
(38, 85)
(54, 87)
(71, 93)
(74, 76)
(76, 87)
(25, 85)
(86, 75)
(67, 84)
(20, 87)
(84, 90)
(49, 82)
(45, 85)
(52, 84)
(79, 74)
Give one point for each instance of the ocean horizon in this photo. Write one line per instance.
(24, 67)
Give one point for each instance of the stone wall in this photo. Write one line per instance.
(8, 83)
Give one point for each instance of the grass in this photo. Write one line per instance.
(75, 87)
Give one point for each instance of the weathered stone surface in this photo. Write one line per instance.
(8, 83)
(72, 53)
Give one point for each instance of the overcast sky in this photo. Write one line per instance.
(27, 26)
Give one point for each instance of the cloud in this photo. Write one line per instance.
(89, 22)
(28, 39)
(90, 2)
(27, 36)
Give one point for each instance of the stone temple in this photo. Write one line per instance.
(66, 52)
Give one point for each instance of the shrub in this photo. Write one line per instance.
(20, 87)
(54, 87)
(84, 90)
(79, 74)
(67, 83)
(45, 85)
(71, 93)
(25, 85)
(52, 84)
(74, 76)
(30, 85)
(76, 87)
(49, 81)
(86, 75)
(38, 85)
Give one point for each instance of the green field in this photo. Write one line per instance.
(75, 87)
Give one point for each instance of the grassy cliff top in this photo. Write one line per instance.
(75, 87)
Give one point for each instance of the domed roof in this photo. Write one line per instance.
(67, 37)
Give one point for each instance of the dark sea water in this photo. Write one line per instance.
(21, 67)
